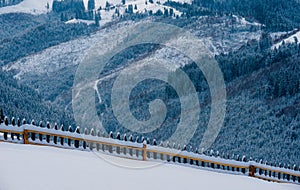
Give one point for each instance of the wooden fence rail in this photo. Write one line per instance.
(142, 150)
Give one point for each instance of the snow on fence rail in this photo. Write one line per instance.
(141, 149)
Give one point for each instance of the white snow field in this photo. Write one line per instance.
(34, 7)
(142, 7)
(39, 167)
(288, 40)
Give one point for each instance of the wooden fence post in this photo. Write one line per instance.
(25, 136)
(144, 152)
(252, 171)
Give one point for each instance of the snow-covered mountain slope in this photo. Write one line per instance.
(288, 40)
(217, 37)
(28, 6)
(102, 3)
(61, 56)
(58, 64)
(142, 6)
(35, 168)
(40, 7)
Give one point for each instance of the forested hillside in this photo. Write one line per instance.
(275, 15)
(263, 103)
(27, 34)
(21, 101)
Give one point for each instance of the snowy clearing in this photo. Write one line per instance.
(102, 3)
(142, 7)
(75, 21)
(288, 40)
(243, 21)
(39, 7)
(37, 167)
(34, 7)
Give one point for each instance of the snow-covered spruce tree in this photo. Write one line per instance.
(33, 134)
(184, 149)
(48, 126)
(18, 124)
(85, 131)
(6, 121)
(295, 169)
(111, 135)
(107, 6)
(91, 144)
(13, 121)
(41, 135)
(48, 136)
(99, 134)
(125, 139)
(288, 176)
(154, 144)
(62, 128)
(130, 138)
(130, 149)
(119, 138)
(69, 140)
(84, 143)
(76, 142)
(98, 145)
(168, 144)
(55, 137)
(174, 146)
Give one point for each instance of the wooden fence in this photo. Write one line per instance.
(141, 149)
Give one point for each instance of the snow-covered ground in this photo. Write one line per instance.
(28, 6)
(142, 7)
(102, 3)
(37, 167)
(36, 7)
(243, 21)
(290, 39)
(72, 21)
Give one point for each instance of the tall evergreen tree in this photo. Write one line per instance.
(130, 9)
(91, 5)
(97, 19)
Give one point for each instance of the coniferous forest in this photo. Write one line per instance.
(262, 78)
